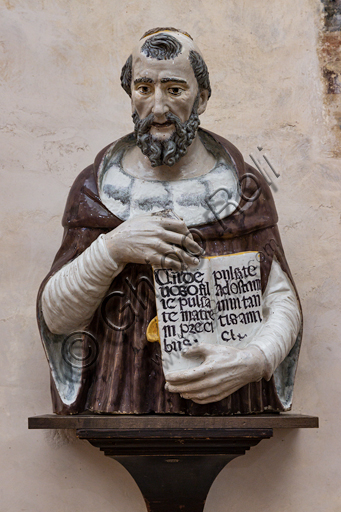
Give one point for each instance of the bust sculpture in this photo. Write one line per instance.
(99, 296)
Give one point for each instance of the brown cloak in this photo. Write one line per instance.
(119, 371)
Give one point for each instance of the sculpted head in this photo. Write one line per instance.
(168, 82)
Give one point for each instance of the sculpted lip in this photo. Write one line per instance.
(162, 125)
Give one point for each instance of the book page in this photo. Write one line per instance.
(236, 286)
(185, 313)
(218, 302)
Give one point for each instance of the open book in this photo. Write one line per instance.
(219, 302)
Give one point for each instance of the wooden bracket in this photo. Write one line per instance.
(174, 459)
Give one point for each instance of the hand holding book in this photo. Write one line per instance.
(223, 371)
(217, 331)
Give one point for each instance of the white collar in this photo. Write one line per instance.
(197, 201)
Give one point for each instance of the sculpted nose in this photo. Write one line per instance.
(160, 106)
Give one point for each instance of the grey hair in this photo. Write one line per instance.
(161, 47)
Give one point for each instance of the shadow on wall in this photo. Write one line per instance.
(97, 475)
(256, 469)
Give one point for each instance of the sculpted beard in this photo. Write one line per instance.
(166, 152)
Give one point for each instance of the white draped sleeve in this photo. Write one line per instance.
(72, 295)
(281, 320)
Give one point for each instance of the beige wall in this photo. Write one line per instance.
(62, 102)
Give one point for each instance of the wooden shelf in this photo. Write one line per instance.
(117, 421)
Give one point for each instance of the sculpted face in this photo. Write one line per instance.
(166, 100)
(162, 86)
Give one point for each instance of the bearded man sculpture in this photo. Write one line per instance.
(98, 297)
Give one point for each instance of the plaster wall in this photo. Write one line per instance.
(60, 63)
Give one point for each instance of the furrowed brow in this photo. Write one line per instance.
(176, 80)
(143, 79)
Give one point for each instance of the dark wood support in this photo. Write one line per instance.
(174, 459)
(174, 469)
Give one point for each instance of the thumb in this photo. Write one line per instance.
(196, 350)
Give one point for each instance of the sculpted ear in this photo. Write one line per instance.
(203, 99)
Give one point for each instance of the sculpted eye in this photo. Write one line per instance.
(175, 91)
(144, 89)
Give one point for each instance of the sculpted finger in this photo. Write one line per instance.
(174, 225)
(169, 263)
(186, 376)
(210, 384)
(189, 244)
(216, 397)
(175, 253)
(166, 257)
(203, 350)
(208, 399)
(193, 387)
(164, 261)
(189, 259)
(200, 387)
(213, 397)
(208, 392)
(181, 378)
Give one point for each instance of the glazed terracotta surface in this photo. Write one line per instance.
(167, 80)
